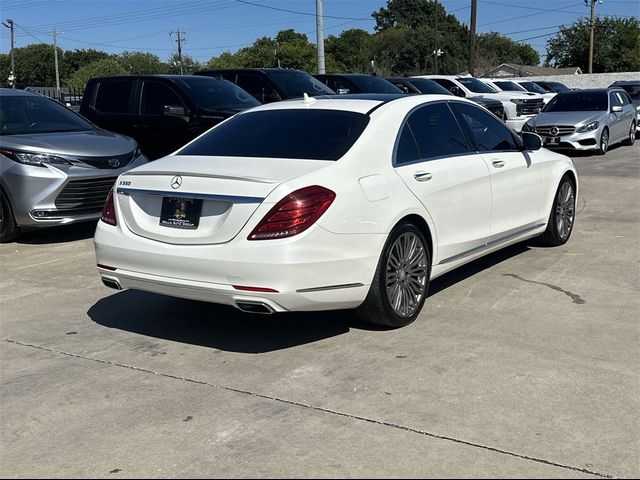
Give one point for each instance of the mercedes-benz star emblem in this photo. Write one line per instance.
(554, 131)
(176, 182)
(114, 163)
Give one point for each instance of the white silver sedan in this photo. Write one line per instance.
(333, 203)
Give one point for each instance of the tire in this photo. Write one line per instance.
(400, 284)
(603, 146)
(8, 227)
(562, 216)
(631, 139)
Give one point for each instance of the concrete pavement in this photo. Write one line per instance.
(522, 364)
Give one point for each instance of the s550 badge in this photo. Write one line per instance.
(124, 183)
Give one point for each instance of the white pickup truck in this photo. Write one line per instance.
(518, 106)
(514, 85)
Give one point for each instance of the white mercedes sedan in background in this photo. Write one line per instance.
(333, 203)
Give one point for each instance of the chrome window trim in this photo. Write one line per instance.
(179, 194)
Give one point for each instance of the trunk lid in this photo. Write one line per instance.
(194, 200)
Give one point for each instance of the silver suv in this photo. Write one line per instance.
(55, 166)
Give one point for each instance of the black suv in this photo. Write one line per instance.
(344, 83)
(162, 112)
(271, 84)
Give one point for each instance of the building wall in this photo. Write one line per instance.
(589, 80)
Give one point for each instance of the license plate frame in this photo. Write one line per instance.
(179, 212)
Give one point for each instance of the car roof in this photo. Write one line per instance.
(11, 92)
(155, 76)
(345, 75)
(263, 70)
(624, 82)
(363, 103)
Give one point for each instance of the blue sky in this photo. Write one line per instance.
(213, 26)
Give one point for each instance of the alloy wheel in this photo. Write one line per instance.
(406, 274)
(632, 134)
(604, 142)
(565, 210)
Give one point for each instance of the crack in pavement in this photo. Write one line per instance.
(576, 298)
(315, 408)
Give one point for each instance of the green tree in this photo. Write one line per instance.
(72, 60)
(99, 68)
(189, 65)
(35, 65)
(616, 45)
(140, 63)
(493, 49)
(352, 50)
(225, 60)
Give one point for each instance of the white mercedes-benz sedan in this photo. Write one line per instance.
(333, 203)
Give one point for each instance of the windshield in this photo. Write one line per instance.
(577, 101)
(429, 86)
(558, 87)
(371, 84)
(533, 87)
(292, 133)
(212, 94)
(23, 114)
(476, 85)
(294, 83)
(509, 86)
(632, 90)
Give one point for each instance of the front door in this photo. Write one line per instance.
(516, 176)
(434, 161)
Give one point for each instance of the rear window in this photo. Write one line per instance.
(295, 84)
(303, 134)
(212, 94)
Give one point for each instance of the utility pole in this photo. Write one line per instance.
(179, 40)
(435, 40)
(55, 56)
(12, 76)
(319, 37)
(591, 28)
(472, 38)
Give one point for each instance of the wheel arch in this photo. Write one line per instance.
(422, 224)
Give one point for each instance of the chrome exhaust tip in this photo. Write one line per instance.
(109, 282)
(254, 307)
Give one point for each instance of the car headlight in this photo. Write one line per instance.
(589, 127)
(35, 159)
(517, 100)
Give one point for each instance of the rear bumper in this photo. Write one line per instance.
(318, 271)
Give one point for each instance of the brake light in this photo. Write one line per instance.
(294, 213)
(109, 210)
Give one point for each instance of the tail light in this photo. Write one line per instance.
(109, 210)
(294, 213)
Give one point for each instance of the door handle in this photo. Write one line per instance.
(422, 176)
(498, 163)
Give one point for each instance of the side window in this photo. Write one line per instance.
(155, 96)
(113, 96)
(614, 100)
(261, 90)
(437, 132)
(407, 149)
(622, 98)
(402, 86)
(450, 86)
(487, 131)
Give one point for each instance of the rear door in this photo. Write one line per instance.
(517, 183)
(163, 122)
(111, 107)
(433, 159)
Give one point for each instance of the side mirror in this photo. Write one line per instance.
(616, 109)
(531, 141)
(456, 91)
(175, 111)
